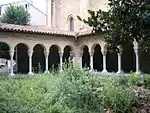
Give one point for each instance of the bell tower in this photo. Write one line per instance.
(84, 7)
(49, 13)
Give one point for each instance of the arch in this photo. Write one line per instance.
(38, 58)
(70, 21)
(94, 45)
(54, 58)
(112, 61)
(85, 57)
(67, 53)
(97, 58)
(82, 47)
(57, 46)
(4, 50)
(21, 58)
(128, 58)
(27, 46)
(2, 42)
(72, 49)
(144, 58)
(42, 45)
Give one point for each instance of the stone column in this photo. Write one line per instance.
(136, 50)
(91, 60)
(80, 59)
(119, 60)
(61, 62)
(104, 52)
(72, 57)
(30, 53)
(11, 64)
(46, 61)
(49, 12)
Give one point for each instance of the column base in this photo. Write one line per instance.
(12, 74)
(138, 72)
(30, 73)
(46, 72)
(91, 70)
(60, 70)
(120, 72)
(104, 71)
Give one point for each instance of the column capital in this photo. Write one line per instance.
(46, 53)
(73, 53)
(30, 53)
(80, 54)
(120, 50)
(91, 53)
(104, 52)
(11, 52)
(135, 45)
(60, 53)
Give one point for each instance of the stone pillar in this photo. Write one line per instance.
(72, 57)
(119, 60)
(80, 59)
(48, 12)
(61, 58)
(46, 61)
(91, 60)
(136, 50)
(30, 53)
(11, 58)
(104, 52)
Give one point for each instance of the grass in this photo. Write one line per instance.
(71, 91)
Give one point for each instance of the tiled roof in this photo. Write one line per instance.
(42, 30)
(34, 29)
(86, 32)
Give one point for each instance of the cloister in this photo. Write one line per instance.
(31, 46)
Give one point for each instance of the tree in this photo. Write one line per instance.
(125, 21)
(16, 14)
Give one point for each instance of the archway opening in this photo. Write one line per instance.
(4, 58)
(112, 61)
(86, 58)
(21, 58)
(128, 58)
(66, 54)
(4, 50)
(144, 58)
(97, 58)
(54, 59)
(38, 61)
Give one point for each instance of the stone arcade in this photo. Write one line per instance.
(30, 46)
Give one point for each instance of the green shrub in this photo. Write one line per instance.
(123, 80)
(146, 79)
(72, 92)
(118, 98)
(24, 95)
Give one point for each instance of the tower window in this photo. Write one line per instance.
(0, 10)
(71, 24)
(26, 6)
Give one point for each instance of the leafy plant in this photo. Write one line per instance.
(124, 22)
(135, 79)
(16, 14)
(73, 92)
(146, 79)
(117, 95)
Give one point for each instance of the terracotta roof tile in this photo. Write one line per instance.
(42, 30)
(35, 29)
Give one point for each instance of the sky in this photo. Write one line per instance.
(40, 4)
